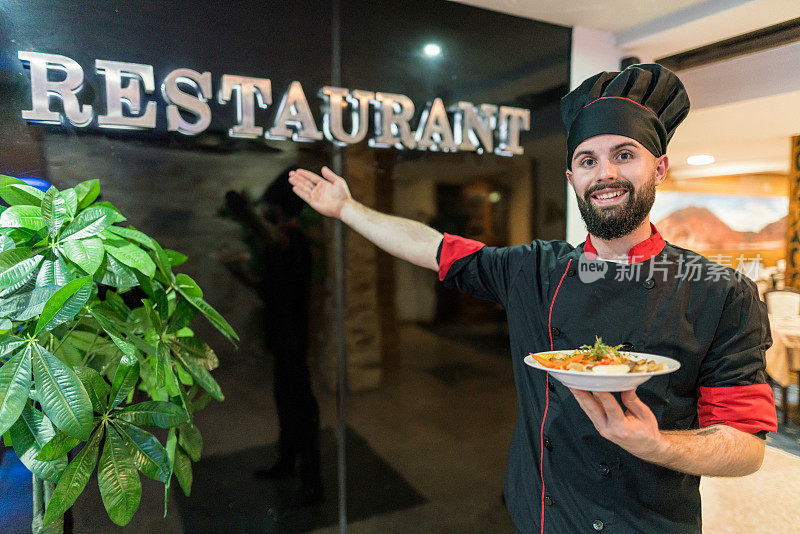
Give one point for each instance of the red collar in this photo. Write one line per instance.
(639, 252)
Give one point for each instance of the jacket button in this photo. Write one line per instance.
(604, 470)
(548, 445)
(597, 524)
(649, 283)
(627, 346)
(548, 501)
(555, 331)
(551, 386)
(571, 272)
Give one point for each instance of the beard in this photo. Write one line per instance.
(613, 222)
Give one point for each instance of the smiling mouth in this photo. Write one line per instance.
(608, 196)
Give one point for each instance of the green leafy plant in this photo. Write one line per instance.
(74, 353)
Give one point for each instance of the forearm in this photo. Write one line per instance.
(717, 450)
(403, 238)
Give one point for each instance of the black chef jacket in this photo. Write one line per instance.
(562, 476)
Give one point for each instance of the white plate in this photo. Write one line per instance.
(596, 382)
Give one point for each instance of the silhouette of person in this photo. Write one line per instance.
(280, 271)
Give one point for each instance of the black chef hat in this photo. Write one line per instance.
(644, 102)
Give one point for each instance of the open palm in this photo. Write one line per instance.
(327, 193)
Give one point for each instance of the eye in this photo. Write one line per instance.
(587, 162)
(625, 156)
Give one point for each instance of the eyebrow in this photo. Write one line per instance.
(626, 144)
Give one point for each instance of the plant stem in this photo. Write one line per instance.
(89, 350)
(63, 339)
(42, 491)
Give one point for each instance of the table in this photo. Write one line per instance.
(782, 357)
(782, 362)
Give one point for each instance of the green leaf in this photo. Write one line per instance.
(115, 273)
(201, 403)
(91, 222)
(8, 345)
(16, 268)
(70, 201)
(57, 447)
(119, 482)
(87, 192)
(128, 349)
(61, 394)
(64, 304)
(183, 315)
(190, 439)
(54, 210)
(187, 286)
(112, 208)
(163, 361)
(24, 306)
(201, 376)
(182, 467)
(132, 235)
(29, 434)
(149, 455)
(214, 318)
(85, 253)
(74, 479)
(6, 180)
(54, 272)
(124, 380)
(153, 413)
(47, 274)
(175, 258)
(6, 243)
(132, 256)
(21, 193)
(162, 262)
(172, 444)
(96, 387)
(15, 383)
(23, 217)
(196, 350)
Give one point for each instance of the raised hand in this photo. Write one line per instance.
(327, 193)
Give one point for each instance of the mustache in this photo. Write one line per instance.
(619, 184)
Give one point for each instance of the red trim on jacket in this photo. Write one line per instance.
(639, 252)
(453, 249)
(619, 98)
(547, 396)
(748, 408)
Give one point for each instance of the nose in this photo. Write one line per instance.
(608, 171)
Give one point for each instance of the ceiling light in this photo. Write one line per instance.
(432, 50)
(702, 159)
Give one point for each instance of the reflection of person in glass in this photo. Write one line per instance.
(280, 271)
(580, 460)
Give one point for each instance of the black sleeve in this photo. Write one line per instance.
(732, 388)
(485, 272)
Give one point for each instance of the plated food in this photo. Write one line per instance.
(601, 367)
(600, 358)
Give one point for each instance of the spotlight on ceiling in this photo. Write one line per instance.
(702, 159)
(432, 50)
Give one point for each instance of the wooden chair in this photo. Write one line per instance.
(784, 302)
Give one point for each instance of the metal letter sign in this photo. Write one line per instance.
(129, 102)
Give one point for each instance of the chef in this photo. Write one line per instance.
(593, 461)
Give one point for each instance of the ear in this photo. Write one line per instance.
(569, 178)
(662, 166)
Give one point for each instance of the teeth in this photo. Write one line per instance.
(609, 195)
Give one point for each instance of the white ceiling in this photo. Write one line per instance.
(744, 110)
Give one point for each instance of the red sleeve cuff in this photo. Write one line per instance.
(748, 408)
(453, 249)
